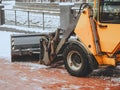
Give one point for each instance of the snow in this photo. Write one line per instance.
(32, 66)
(46, 80)
(107, 88)
(5, 36)
(12, 27)
(23, 78)
(8, 4)
(39, 88)
(115, 79)
(5, 44)
(2, 82)
(76, 87)
(67, 3)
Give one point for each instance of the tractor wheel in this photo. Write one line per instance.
(76, 61)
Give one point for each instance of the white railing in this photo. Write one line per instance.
(32, 18)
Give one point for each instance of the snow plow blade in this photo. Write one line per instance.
(27, 47)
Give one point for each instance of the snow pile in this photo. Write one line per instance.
(5, 44)
(8, 4)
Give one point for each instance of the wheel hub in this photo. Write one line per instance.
(74, 60)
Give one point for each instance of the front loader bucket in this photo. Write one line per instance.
(26, 47)
(35, 47)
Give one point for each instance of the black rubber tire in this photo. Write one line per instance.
(80, 58)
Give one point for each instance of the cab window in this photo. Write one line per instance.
(109, 11)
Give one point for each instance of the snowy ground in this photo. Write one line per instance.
(29, 76)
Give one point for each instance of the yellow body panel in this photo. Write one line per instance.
(109, 37)
(84, 32)
(105, 60)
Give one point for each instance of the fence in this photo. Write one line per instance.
(46, 20)
(38, 19)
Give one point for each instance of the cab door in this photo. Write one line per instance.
(108, 26)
